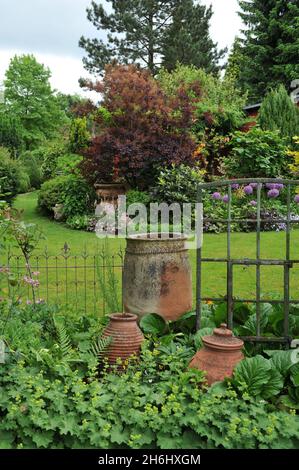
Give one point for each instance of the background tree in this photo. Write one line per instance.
(10, 131)
(29, 97)
(138, 129)
(146, 31)
(188, 40)
(279, 113)
(270, 45)
(235, 61)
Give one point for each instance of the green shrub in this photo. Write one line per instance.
(32, 167)
(178, 184)
(138, 197)
(68, 163)
(72, 191)
(13, 179)
(257, 153)
(51, 193)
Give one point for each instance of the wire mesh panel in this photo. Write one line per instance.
(286, 262)
(87, 282)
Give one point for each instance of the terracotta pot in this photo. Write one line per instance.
(157, 276)
(126, 337)
(219, 356)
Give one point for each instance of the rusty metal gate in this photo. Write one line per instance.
(286, 262)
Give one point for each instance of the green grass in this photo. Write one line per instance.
(73, 284)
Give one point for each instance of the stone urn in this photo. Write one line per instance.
(157, 275)
(126, 337)
(220, 354)
(109, 193)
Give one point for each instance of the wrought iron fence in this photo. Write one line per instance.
(287, 263)
(85, 282)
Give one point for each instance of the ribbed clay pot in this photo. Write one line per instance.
(157, 276)
(126, 337)
(219, 356)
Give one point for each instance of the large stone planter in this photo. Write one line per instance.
(157, 276)
(109, 193)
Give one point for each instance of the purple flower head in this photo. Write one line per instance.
(273, 193)
(253, 203)
(271, 186)
(279, 186)
(296, 198)
(253, 185)
(216, 196)
(225, 198)
(248, 190)
(235, 186)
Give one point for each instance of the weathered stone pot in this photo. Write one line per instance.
(157, 276)
(109, 193)
(126, 337)
(219, 356)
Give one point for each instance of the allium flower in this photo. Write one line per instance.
(225, 198)
(273, 193)
(279, 186)
(248, 190)
(253, 185)
(216, 196)
(296, 198)
(253, 203)
(235, 186)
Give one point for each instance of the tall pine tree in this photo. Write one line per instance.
(150, 32)
(270, 46)
(188, 40)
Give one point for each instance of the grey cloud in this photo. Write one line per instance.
(46, 26)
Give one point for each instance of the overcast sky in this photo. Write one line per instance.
(50, 29)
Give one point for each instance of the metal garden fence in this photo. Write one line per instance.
(287, 262)
(85, 282)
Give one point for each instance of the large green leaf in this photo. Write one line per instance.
(254, 372)
(153, 324)
(274, 385)
(282, 361)
(220, 313)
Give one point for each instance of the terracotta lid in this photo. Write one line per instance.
(223, 339)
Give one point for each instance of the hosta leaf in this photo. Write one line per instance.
(153, 324)
(282, 361)
(273, 386)
(254, 372)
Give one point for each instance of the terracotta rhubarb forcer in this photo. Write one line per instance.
(157, 275)
(126, 337)
(219, 356)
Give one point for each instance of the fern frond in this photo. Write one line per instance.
(100, 346)
(63, 339)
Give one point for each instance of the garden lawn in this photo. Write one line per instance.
(82, 284)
